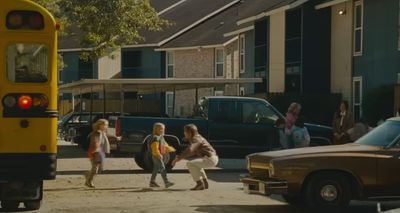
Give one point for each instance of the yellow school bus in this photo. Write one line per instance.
(28, 112)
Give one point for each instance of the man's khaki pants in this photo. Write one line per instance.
(196, 166)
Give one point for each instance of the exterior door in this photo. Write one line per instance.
(357, 97)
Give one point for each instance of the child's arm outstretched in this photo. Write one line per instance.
(169, 148)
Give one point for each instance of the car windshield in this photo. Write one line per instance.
(382, 135)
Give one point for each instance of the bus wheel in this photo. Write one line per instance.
(33, 205)
(9, 205)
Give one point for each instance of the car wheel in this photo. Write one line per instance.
(328, 191)
(33, 205)
(9, 205)
(293, 199)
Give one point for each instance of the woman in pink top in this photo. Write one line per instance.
(291, 116)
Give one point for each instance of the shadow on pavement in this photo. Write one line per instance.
(222, 177)
(275, 209)
(142, 190)
(70, 151)
(219, 176)
(249, 208)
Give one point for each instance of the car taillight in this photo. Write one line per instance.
(118, 128)
(25, 102)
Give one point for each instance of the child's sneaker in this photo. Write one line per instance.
(169, 184)
(154, 184)
(89, 184)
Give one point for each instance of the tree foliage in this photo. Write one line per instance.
(105, 25)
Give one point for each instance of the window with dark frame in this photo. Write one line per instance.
(131, 59)
(242, 52)
(398, 29)
(358, 27)
(219, 63)
(85, 69)
(170, 61)
(293, 51)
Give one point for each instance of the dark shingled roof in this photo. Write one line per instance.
(211, 32)
(71, 41)
(160, 5)
(182, 16)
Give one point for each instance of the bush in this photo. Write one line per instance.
(378, 104)
(317, 108)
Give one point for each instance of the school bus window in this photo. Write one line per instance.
(27, 63)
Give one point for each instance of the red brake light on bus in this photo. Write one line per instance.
(25, 102)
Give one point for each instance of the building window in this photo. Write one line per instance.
(242, 91)
(357, 97)
(169, 105)
(131, 59)
(170, 64)
(218, 93)
(261, 54)
(85, 69)
(219, 63)
(358, 28)
(242, 49)
(398, 27)
(293, 51)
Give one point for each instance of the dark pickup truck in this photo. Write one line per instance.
(235, 126)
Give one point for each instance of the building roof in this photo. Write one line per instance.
(210, 32)
(328, 3)
(148, 86)
(160, 5)
(268, 8)
(183, 14)
(223, 27)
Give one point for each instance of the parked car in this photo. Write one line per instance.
(328, 177)
(235, 126)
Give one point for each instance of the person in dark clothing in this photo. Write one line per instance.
(342, 121)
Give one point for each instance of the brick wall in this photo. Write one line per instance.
(232, 67)
(199, 63)
(192, 64)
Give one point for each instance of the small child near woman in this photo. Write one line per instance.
(300, 135)
(284, 140)
(160, 155)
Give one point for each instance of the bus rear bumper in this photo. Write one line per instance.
(21, 191)
(27, 167)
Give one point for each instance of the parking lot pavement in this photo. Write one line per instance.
(123, 187)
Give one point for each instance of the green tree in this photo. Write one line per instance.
(106, 25)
